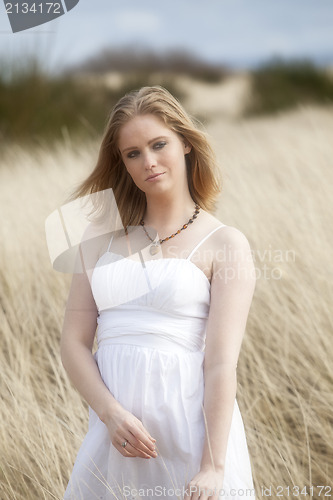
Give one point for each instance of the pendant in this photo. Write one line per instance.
(154, 249)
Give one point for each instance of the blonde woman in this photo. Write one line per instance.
(161, 387)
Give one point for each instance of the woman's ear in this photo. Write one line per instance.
(187, 147)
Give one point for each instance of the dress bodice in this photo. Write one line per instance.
(167, 297)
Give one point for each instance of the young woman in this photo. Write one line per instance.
(170, 295)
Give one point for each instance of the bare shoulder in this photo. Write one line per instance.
(232, 236)
(94, 242)
(223, 233)
(228, 245)
(232, 259)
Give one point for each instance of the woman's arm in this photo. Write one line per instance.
(78, 332)
(232, 288)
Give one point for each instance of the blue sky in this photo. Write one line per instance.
(234, 32)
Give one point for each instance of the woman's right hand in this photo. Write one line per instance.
(124, 426)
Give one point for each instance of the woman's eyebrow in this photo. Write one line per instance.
(149, 142)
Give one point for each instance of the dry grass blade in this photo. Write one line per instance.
(277, 190)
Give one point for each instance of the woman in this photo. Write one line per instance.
(170, 295)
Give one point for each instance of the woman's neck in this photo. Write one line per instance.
(168, 215)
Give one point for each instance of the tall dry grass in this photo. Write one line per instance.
(277, 189)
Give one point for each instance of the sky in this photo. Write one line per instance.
(238, 33)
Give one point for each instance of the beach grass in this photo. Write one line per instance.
(277, 176)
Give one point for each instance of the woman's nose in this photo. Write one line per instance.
(149, 160)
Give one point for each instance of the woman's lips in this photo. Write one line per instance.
(153, 177)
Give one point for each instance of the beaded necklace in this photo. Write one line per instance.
(155, 244)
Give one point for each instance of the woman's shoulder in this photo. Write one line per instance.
(223, 234)
(94, 241)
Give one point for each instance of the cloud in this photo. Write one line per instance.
(229, 31)
(135, 22)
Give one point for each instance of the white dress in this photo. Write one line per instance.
(151, 339)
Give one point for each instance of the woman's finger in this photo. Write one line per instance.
(129, 450)
(153, 440)
(141, 440)
(123, 451)
(192, 492)
(139, 445)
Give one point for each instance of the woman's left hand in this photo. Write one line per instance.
(206, 484)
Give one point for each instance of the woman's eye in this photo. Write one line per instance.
(159, 145)
(135, 153)
(132, 154)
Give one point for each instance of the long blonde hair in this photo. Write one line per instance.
(203, 177)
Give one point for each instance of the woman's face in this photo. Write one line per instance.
(153, 155)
